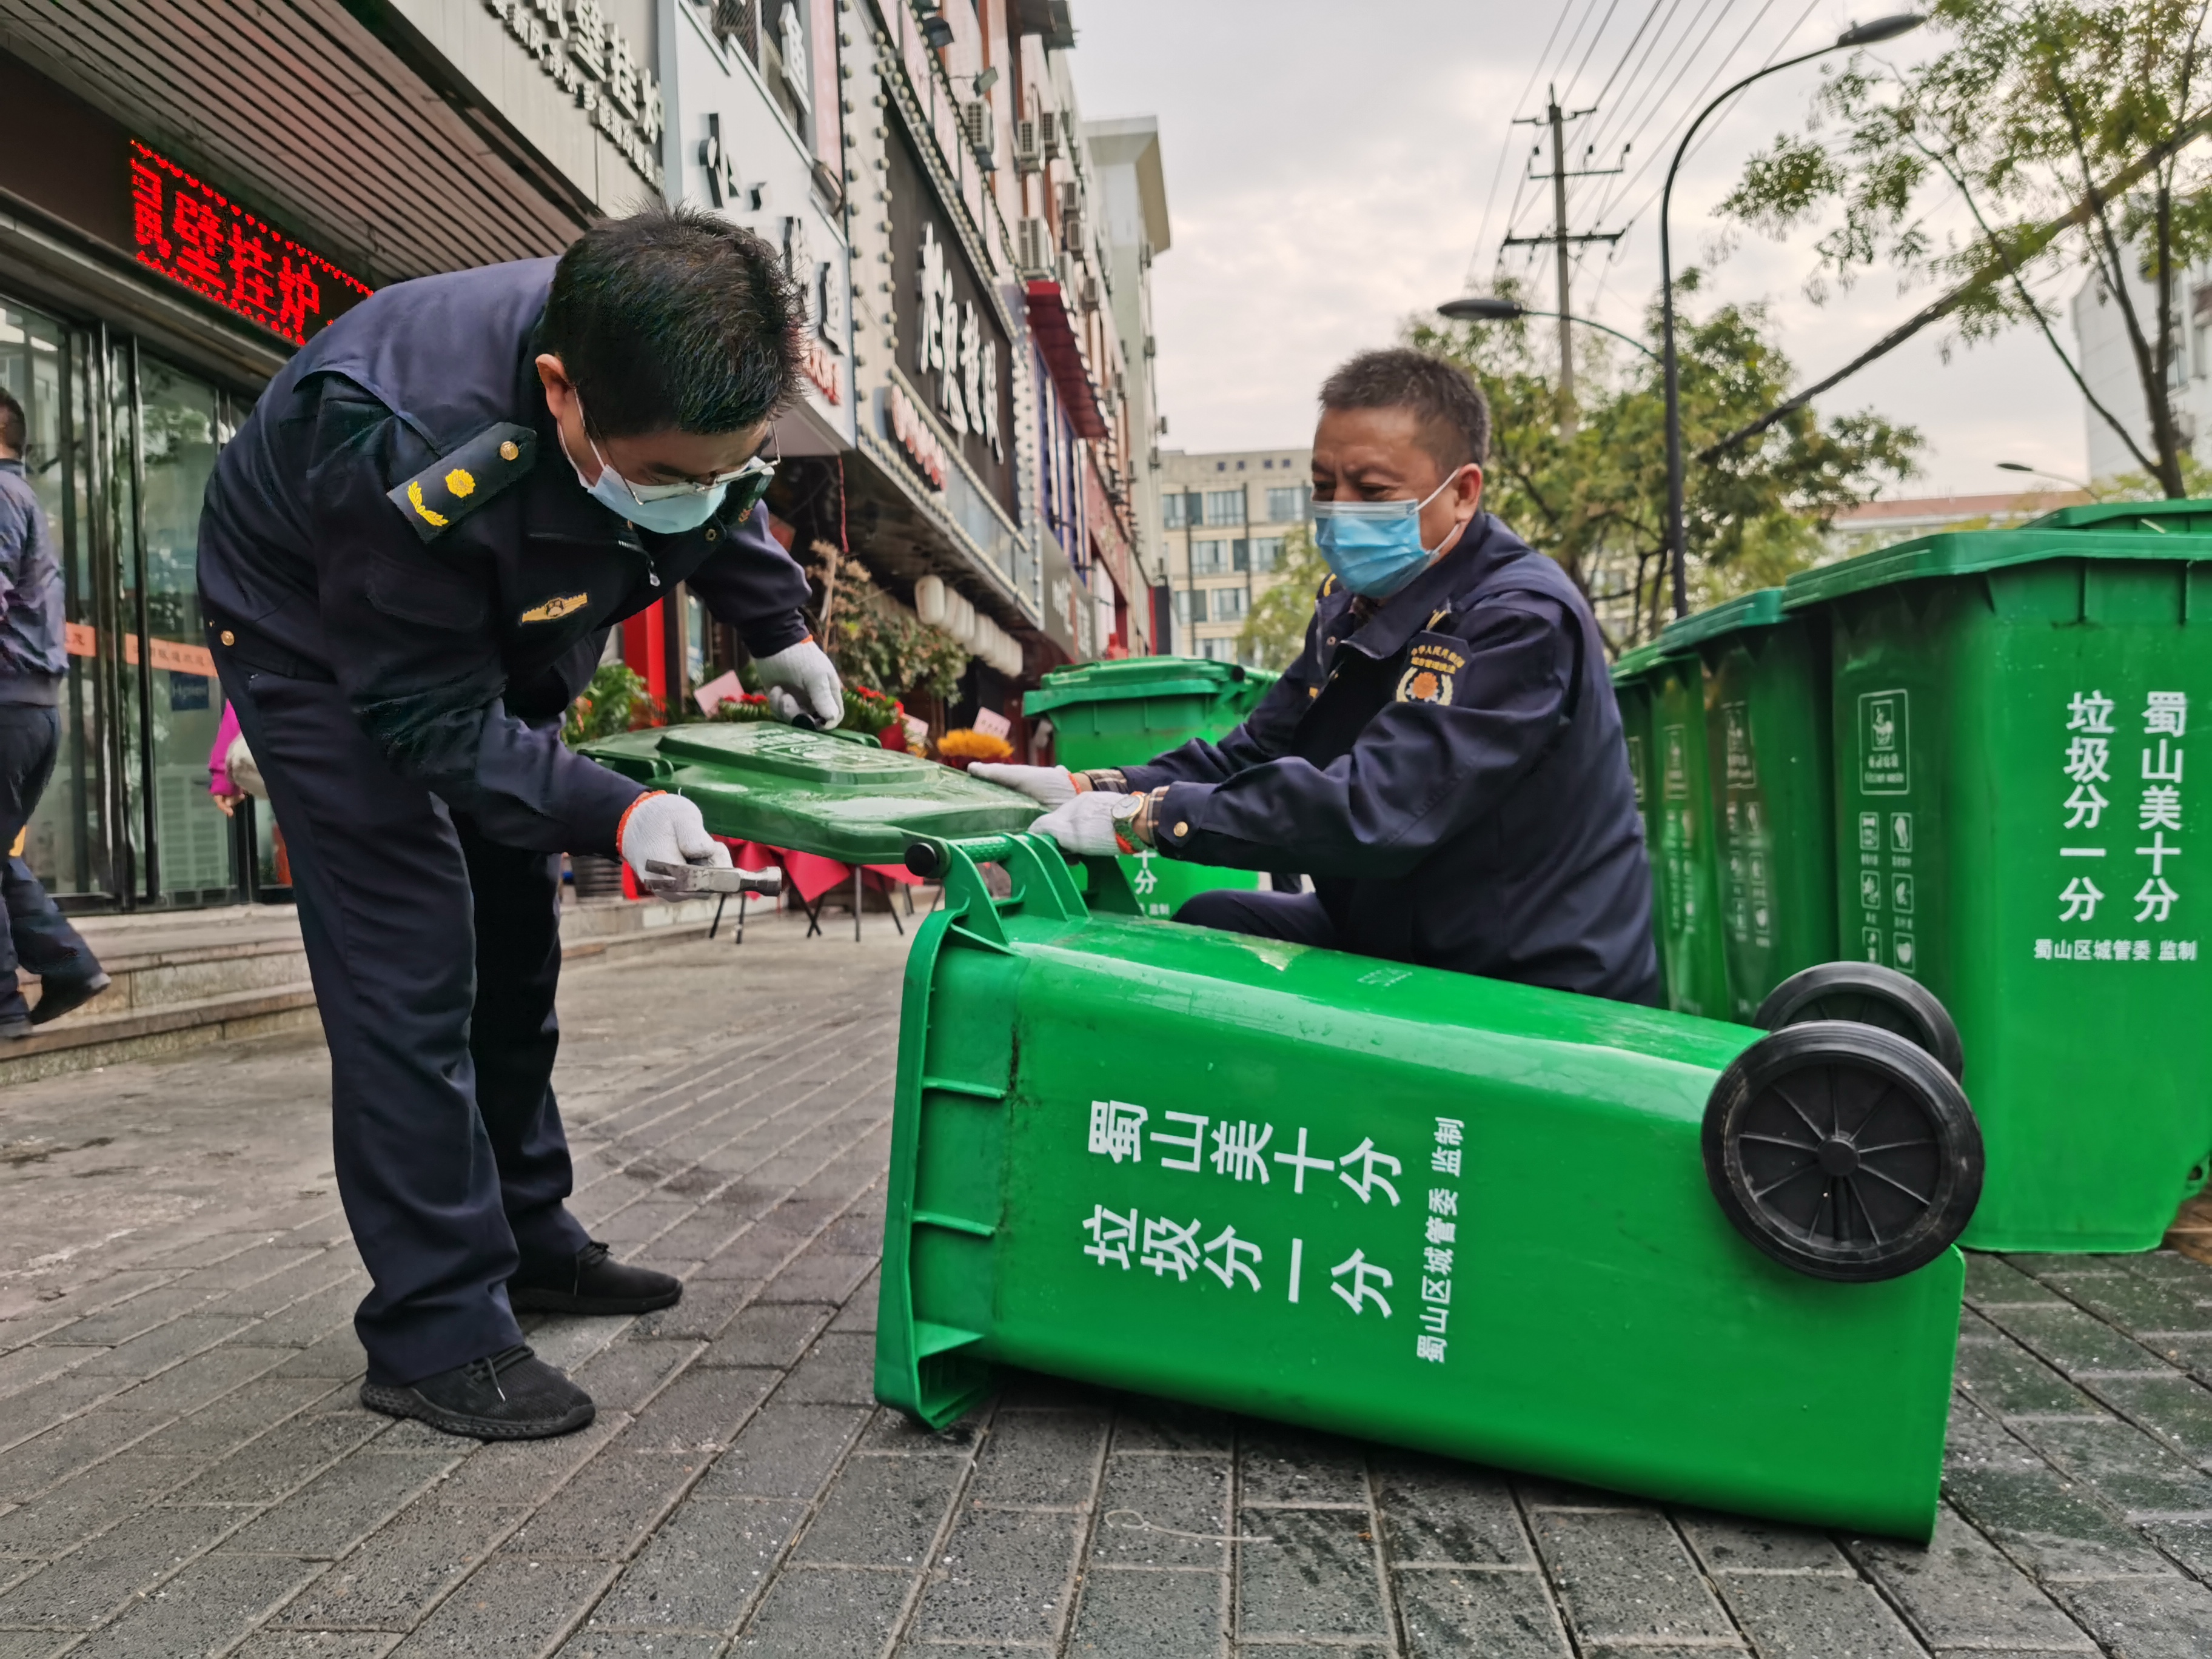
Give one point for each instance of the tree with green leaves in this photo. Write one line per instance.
(1595, 499)
(2067, 129)
(1276, 627)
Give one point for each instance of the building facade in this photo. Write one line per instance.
(191, 191)
(997, 457)
(194, 188)
(2105, 355)
(752, 110)
(1224, 519)
(1134, 229)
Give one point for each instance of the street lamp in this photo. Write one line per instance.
(1480, 308)
(1863, 34)
(2043, 472)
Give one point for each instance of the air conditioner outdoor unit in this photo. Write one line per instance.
(1033, 248)
(1071, 230)
(1090, 292)
(980, 133)
(1029, 152)
(1051, 129)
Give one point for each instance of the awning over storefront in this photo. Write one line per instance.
(284, 102)
(1054, 329)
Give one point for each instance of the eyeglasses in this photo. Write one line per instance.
(748, 482)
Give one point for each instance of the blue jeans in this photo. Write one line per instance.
(37, 936)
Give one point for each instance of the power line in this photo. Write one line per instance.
(1535, 74)
(1620, 191)
(1606, 90)
(1640, 104)
(1611, 7)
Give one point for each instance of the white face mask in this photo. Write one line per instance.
(664, 509)
(669, 509)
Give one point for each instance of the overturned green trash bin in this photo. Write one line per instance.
(1123, 713)
(1546, 1231)
(839, 794)
(1770, 785)
(2017, 828)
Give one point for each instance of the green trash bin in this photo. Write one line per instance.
(1125, 711)
(1632, 691)
(2182, 518)
(839, 794)
(2011, 713)
(1679, 831)
(1770, 785)
(1499, 1222)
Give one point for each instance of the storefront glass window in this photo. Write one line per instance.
(36, 366)
(182, 422)
(119, 449)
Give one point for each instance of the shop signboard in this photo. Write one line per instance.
(185, 229)
(953, 348)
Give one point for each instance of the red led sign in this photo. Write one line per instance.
(195, 236)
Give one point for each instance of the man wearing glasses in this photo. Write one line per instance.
(410, 558)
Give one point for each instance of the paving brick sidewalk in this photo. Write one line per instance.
(183, 1469)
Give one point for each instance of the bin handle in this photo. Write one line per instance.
(1042, 883)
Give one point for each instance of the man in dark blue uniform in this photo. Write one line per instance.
(409, 560)
(1445, 757)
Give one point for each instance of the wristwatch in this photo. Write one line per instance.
(1124, 814)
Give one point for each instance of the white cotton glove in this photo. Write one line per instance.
(1048, 786)
(1081, 824)
(804, 669)
(238, 762)
(669, 830)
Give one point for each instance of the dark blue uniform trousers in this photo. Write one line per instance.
(37, 936)
(435, 954)
(1295, 918)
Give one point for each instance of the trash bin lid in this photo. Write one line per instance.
(2183, 518)
(1970, 552)
(836, 793)
(1760, 610)
(1132, 677)
(1632, 665)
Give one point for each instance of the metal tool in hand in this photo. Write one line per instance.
(693, 880)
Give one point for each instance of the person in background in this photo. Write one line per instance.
(232, 775)
(1445, 757)
(33, 663)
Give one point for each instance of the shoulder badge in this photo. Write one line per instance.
(1431, 670)
(451, 487)
(1327, 586)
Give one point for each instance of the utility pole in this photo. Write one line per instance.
(1557, 119)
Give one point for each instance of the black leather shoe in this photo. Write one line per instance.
(510, 1396)
(15, 1030)
(592, 1282)
(57, 996)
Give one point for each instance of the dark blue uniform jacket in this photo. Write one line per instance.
(457, 654)
(1450, 771)
(31, 656)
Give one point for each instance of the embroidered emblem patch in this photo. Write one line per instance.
(1430, 667)
(556, 608)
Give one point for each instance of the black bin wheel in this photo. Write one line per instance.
(1867, 993)
(1843, 1151)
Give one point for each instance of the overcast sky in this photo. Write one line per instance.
(1329, 168)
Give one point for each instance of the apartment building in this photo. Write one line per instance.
(1224, 519)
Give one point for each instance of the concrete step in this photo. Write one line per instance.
(186, 978)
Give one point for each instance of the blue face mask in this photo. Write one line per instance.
(672, 509)
(664, 509)
(1375, 547)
